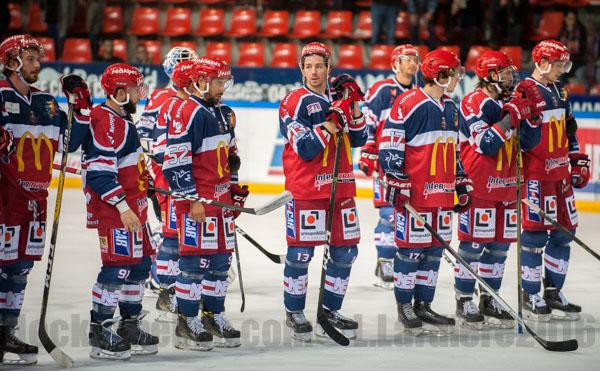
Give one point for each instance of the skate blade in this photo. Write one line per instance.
(414, 331)
(143, 350)
(492, 323)
(477, 326)
(98, 353)
(220, 342)
(564, 316)
(188, 344)
(25, 359)
(438, 330)
(536, 317)
(384, 285)
(348, 333)
(302, 336)
(165, 317)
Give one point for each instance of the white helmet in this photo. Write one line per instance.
(176, 55)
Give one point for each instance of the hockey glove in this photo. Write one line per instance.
(518, 109)
(345, 81)
(464, 189)
(234, 162)
(528, 89)
(73, 85)
(397, 190)
(340, 113)
(7, 141)
(368, 158)
(580, 169)
(239, 196)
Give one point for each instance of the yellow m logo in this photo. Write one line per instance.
(560, 126)
(346, 141)
(223, 145)
(36, 144)
(448, 143)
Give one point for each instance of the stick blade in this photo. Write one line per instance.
(554, 346)
(61, 358)
(331, 331)
(275, 203)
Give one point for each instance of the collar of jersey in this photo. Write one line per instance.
(27, 99)
(322, 96)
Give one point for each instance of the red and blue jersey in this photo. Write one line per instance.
(550, 159)
(37, 124)
(199, 140)
(146, 125)
(114, 169)
(309, 150)
(420, 140)
(488, 154)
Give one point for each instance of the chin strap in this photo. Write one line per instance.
(112, 97)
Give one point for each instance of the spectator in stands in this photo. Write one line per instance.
(106, 53)
(574, 36)
(383, 15)
(4, 19)
(141, 55)
(506, 19)
(422, 9)
(465, 24)
(93, 21)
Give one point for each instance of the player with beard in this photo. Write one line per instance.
(116, 190)
(32, 124)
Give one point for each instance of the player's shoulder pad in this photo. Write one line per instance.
(409, 101)
(475, 103)
(158, 97)
(290, 103)
(109, 130)
(378, 88)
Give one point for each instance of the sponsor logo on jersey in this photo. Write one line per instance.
(495, 182)
(444, 225)
(557, 127)
(510, 224)
(550, 207)
(484, 223)
(448, 145)
(554, 163)
(350, 224)
(464, 223)
(312, 225)
(417, 232)
(313, 108)
(172, 216)
(36, 238)
(290, 220)
(104, 244)
(432, 188)
(11, 236)
(210, 232)
(12, 107)
(190, 232)
(533, 194)
(229, 231)
(36, 144)
(400, 226)
(571, 210)
(121, 244)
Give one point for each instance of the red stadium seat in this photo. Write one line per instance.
(275, 23)
(284, 55)
(380, 57)
(243, 22)
(191, 44)
(15, 16)
(144, 21)
(49, 49)
(179, 22)
(363, 26)
(36, 21)
(576, 89)
(403, 26)
(515, 53)
(307, 24)
(211, 22)
(77, 51)
(550, 25)
(251, 54)
(120, 49)
(339, 24)
(113, 20)
(362, 3)
(474, 53)
(219, 49)
(210, 1)
(350, 56)
(455, 49)
(595, 90)
(153, 48)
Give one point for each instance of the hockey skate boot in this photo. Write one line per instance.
(11, 344)
(344, 324)
(495, 315)
(192, 335)
(300, 327)
(166, 305)
(535, 308)
(106, 343)
(409, 320)
(467, 313)
(384, 274)
(561, 308)
(224, 334)
(142, 343)
(442, 325)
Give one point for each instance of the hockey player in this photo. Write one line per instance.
(116, 186)
(308, 121)
(379, 100)
(418, 154)
(200, 160)
(167, 260)
(488, 152)
(32, 123)
(549, 184)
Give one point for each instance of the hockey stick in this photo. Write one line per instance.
(566, 231)
(553, 346)
(239, 269)
(274, 204)
(275, 258)
(519, 163)
(55, 352)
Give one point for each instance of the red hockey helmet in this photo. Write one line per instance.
(315, 48)
(553, 51)
(182, 74)
(13, 46)
(406, 50)
(122, 76)
(211, 68)
(438, 61)
(502, 65)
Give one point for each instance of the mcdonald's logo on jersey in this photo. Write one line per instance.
(221, 167)
(448, 144)
(36, 144)
(507, 149)
(558, 128)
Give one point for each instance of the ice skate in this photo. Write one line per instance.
(300, 327)
(142, 343)
(561, 308)
(106, 343)
(409, 320)
(535, 308)
(345, 325)
(384, 274)
(10, 345)
(224, 334)
(468, 314)
(166, 305)
(495, 315)
(440, 325)
(191, 334)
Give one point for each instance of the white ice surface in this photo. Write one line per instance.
(265, 340)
